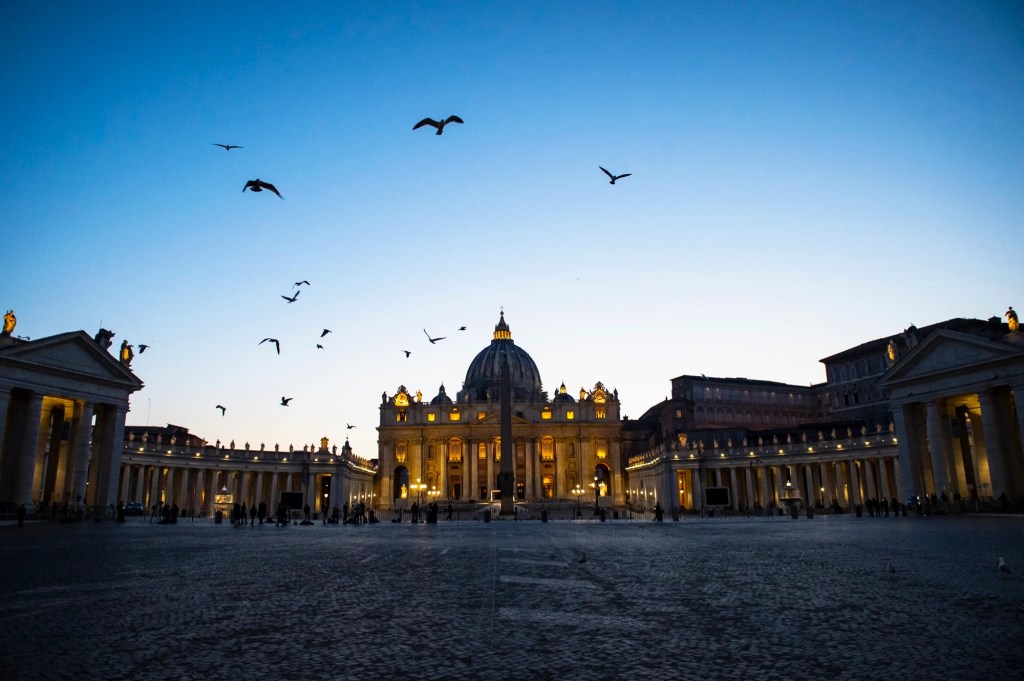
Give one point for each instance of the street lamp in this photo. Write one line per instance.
(578, 491)
(597, 493)
(418, 487)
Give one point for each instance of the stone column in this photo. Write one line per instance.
(763, 486)
(5, 403)
(169, 495)
(750, 486)
(812, 492)
(528, 487)
(883, 476)
(870, 490)
(126, 481)
(211, 491)
(824, 482)
(24, 451)
(140, 480)
(855, 498)
(733, 489)
(472, 466)
(82, 435)
(910, 480)
(995, 445)
(938, 443)
(492, 451)
(842, 490)
(156, 484)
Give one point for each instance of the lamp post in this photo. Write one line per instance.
(418, 487)
(578, 491)
(597, 494)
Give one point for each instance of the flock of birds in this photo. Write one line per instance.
(257, 186)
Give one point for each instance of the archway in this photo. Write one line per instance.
(400, 484)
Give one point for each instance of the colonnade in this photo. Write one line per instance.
(59, 450)
(201, 481)
(467, 468)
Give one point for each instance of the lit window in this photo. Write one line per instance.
(547, 449)
(431, 417)
(481, 451)
(570, 415)
(400, 452)
(481, 415)
(455, 452)
(545, 414)
(454, 415)
(401, 416)
(599, 412)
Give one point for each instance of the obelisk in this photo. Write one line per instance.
(506, 476)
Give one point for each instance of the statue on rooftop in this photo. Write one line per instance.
(1011, 319)
(10, 321)
(103, 337)
(127, 354)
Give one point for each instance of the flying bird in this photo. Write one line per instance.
(407, 353)
(462, 328)
(142, 348)
(259, 185)
(615, 177)
(293, 298)
(433, 340)
(319, 347)
(300, 283)
(438, 124)
(325, 332)
(227, 147)
(222, 409)
(286, 400)
(349, 426)
(276, 343)
(1003, 567)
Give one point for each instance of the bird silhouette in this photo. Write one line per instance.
(433, 340)
(438, 124)
(286, 400)
(293, 298)
(142, 348)
(222, 409)
(325, 332)
(276, 343)
(227, 147)
(407, 353)
(462, 328)
(615, 177)
(349, 426)
(300, 283)
(1003, 567)
(319, 347)
(259, 185)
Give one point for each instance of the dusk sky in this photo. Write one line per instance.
(806, 177)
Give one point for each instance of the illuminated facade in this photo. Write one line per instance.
(63, 402)
(450, 449)
(930, 411)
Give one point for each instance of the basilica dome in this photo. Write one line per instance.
(483, 378)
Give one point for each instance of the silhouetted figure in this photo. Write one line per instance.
(22, 511)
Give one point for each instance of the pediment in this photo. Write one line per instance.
(74, 353)
(945, 351)
(494, 418)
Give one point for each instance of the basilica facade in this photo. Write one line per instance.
(449, 449)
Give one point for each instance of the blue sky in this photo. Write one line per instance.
(805, 177)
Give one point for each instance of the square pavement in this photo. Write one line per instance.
(718, 598)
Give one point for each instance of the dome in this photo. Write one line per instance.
(441, 398)
(483, 378)
(562, 395)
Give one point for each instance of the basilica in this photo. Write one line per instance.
(563, 446)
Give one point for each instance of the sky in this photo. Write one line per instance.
(805, 177)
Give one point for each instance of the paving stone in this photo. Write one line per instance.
(704, 599)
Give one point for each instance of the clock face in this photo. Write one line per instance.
(401, 400)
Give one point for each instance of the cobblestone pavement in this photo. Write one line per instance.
(750, 599)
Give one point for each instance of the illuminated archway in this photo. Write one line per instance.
(400, 483)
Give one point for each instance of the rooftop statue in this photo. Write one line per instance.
(1011, 318)
(127, 354)
(10, 321)
(103, 337)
